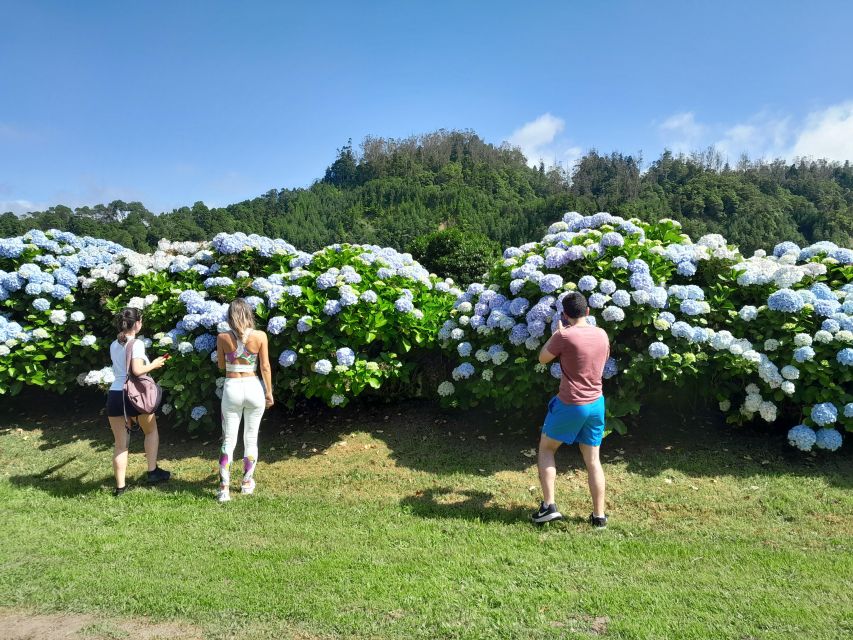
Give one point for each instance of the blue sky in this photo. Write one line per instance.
(174, 102)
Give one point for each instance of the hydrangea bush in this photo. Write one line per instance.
(49, 325)
(770, 336)
(771, 333)
(340, 321)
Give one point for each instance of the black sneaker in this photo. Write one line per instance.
(119, 491)
(158, 475)
(545, 514)
(599, 522)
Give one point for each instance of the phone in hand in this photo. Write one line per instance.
(166, 356)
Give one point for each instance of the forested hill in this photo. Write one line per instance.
(393, 191)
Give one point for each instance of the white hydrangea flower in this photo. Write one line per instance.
(823, 337)
(445, 389)
(844, 336)
(802, 340)
(790, 372)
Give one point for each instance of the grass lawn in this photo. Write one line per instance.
(405, 522)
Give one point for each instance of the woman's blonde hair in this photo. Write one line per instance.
(241, 318)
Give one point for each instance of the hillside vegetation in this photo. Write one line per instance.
(391, 192)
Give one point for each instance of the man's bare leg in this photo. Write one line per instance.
(548, 467)
(595, 476)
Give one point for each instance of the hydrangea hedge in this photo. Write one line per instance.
(773, 334)
(770, 334)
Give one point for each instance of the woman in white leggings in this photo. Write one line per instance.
(239, 351)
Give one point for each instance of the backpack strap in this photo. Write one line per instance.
(128, 356)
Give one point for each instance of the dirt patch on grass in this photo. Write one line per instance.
(19, 625)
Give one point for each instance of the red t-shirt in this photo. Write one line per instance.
(582, 350)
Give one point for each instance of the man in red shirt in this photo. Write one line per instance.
(576, 413)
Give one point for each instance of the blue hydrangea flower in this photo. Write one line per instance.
(641, 281)
(40, 304)
(843, 255)
(638, 266)
(686, 268)
(784, 247)
(658, 297)
(404, 305)
(619, 262)
(822, 291)
(682, 330)
(802, 437)
(607, 287)
(550, 283)
(587, 283)
(785, 300)
(518, 306)
(276, 325)
(845, 357)
(327, 280)
(198, 413)
(517, 335)
(748, 313)
(323, 367)
(621, 298)
(613, 314)
(658, 350)
(828, 439)
(848, 410)
(612, 239)
(369, 296)
(304, 324)
(332, 307)
(287, 358)
(824, 413)
(803, 354)
(597, 300)
(218, 282)
(205, 342)
(463, 371)
(58, 292)
(610, 368)
(348, 296)
(826, 308)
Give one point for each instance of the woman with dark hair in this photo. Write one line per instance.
(119, 411)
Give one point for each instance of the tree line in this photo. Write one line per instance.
(407, 193)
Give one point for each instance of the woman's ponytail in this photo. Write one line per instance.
(125, 320)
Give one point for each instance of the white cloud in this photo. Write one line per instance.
(682, 132)
(827, 134)
(540, 141)
(19, 207)
(763, 136)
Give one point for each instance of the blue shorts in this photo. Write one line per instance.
(575, 423)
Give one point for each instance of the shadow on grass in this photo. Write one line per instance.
(424, 437)
(65, 486)
(466, 504)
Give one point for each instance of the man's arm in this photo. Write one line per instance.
(547, 352)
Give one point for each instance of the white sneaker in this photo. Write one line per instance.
(223, 495)
(247, 488)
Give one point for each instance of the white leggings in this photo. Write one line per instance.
(241, 397)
